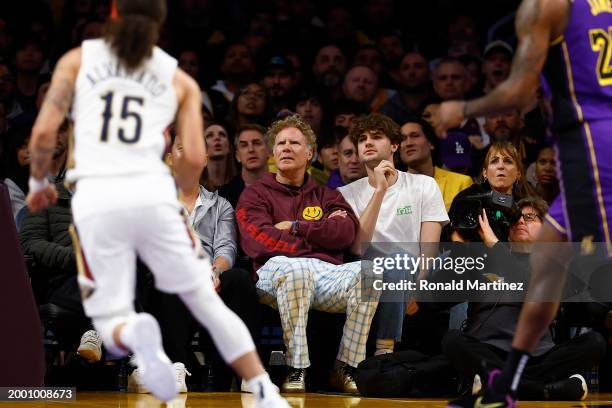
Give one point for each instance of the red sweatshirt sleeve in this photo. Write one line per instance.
(259, 238)
(336, 233)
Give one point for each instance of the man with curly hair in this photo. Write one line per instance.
(296, 232)
(393, 207)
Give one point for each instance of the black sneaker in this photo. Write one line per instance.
(570, 389)
(343, 379)
(295, 380)
(486, 398)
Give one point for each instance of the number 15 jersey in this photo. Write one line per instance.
(120, 116)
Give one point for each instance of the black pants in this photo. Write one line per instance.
(178, 325)
(470, 356)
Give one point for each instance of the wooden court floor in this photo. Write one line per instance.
(227, 399)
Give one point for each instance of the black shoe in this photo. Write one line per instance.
(343, 379)
(570, 389)
(295, 380)
(487, 398)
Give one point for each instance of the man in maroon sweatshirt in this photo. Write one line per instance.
(296, 232)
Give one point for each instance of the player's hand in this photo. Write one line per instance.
(447, 115)
(486, 232)
(383, 174)
(283, 225)
(38, 201)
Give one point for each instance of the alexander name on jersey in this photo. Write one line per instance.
(112, 70)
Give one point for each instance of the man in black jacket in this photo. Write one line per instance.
(47, 246)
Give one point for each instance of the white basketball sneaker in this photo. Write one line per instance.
(181, 372)
(91, 346)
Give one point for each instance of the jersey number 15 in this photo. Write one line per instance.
(127, 112)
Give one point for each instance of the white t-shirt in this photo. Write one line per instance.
(413, 199)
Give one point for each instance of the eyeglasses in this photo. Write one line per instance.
(531, 217)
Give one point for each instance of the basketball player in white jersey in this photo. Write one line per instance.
(124, 91)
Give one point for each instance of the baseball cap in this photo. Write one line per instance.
(279, 62)
(498, 46)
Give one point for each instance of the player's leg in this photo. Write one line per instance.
(548, 273)
(107, 278)
(171, 253)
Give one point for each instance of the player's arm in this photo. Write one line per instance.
(52, 113)
(44, 133)
(537, 22)
(189, 125)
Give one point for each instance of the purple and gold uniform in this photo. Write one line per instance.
(579, 73)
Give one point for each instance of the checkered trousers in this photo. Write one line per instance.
(295, 285)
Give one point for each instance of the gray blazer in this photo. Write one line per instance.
(214, 223)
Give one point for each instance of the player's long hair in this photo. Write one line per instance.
(135, 30)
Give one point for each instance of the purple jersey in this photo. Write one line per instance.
(579, 73)
(578, 69)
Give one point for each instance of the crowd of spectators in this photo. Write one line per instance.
(317, 133)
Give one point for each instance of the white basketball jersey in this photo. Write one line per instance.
(120, 117)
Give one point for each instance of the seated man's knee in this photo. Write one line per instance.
(299, 277)
(396, 275)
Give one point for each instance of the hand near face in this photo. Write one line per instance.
(383, 174)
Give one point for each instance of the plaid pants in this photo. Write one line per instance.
(295, 285)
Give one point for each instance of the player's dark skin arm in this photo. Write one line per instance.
(538, 22)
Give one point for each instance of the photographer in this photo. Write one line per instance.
(502, 174)
(486, 340)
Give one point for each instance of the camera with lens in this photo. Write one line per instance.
(500, 208)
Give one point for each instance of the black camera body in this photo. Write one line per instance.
(500, 208)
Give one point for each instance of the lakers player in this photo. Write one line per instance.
(570, 42)
(124, 91)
